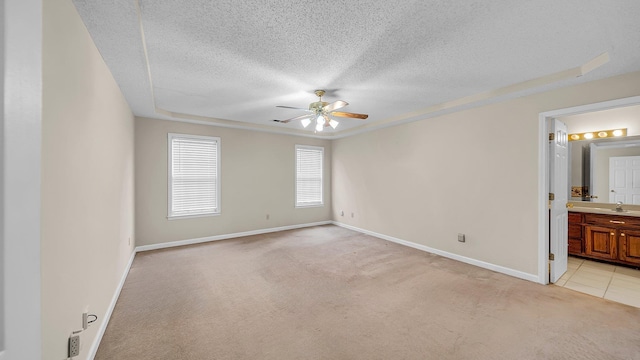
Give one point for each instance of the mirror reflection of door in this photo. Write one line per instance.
(602, 179)
(624, 179)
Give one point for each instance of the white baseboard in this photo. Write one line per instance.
(103, 327)
(464, 259)
(226, 236)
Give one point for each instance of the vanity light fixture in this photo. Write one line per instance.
(600, 134)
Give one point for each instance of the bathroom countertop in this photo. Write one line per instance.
(604, 210)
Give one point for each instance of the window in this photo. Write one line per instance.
(309, 175)
(194, 186)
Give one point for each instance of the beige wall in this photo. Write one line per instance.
(623, 117)
(257, 178)
(87, 181)
(472, 172)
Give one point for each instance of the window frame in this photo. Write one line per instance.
(316, 148)
(170, 137)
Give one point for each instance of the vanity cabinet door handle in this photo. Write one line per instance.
(613, 233)
(616, 222)
(622, 234)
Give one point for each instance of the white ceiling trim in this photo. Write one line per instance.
(451, 106)
(428, 112)
(205, 120)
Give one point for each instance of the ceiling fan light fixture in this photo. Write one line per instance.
(322, 113)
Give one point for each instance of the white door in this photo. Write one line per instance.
(624, 179)
(558, 184)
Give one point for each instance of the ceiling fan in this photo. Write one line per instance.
(322, 113)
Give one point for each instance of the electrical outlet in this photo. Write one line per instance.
(74, 345)
(352, 214)
(267, 216)
(341, 213)
(461, 237)
(85, 321)
(129, 240)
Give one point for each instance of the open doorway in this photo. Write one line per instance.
(548, 240)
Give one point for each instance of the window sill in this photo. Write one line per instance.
(179, 217)
(309, 206)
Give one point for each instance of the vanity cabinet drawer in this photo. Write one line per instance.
(612, 220)
(575, 246)
(575, 218)
(575, 231)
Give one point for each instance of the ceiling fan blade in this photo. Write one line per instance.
(301, 117)
(349, 115)
(335, 105)
(291, 107)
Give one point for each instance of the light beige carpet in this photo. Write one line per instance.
(330, 293)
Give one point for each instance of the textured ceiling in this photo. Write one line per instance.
(231, 62)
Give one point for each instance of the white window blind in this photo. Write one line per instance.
(308, 175)
(193, 175)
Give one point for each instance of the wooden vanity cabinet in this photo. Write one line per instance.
(614, 238)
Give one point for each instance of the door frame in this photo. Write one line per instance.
(20, 139)
(543, 172)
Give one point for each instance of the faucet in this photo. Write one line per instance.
(619, 206)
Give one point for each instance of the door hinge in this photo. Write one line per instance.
(552, 196)
(552, 257)
(552, 136)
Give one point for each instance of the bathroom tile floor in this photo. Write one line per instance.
(615, 283)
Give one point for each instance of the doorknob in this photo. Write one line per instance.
(613, 191)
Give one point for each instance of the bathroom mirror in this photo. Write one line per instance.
(589, 167)
(589, 159)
